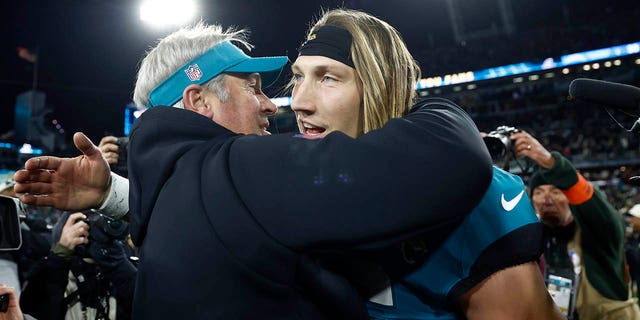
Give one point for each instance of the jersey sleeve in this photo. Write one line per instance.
(502, 231)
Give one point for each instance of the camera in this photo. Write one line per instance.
(102, 229)
(4, 303)
(498, 141)
(121, 167)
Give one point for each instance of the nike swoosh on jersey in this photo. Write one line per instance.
(509, 205)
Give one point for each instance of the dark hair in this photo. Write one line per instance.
(536, 180)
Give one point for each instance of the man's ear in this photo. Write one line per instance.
(193, 98)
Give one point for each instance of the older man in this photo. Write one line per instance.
(584, 261)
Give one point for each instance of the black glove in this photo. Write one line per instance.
(112, 258)
(108, 255)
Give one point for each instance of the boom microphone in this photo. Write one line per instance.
(609, 94)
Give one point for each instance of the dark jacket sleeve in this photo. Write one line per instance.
(112, 257)
(123, 278)
(418, 174)
(43, 296)
(602, 233)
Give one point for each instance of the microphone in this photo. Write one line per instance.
(610, 94)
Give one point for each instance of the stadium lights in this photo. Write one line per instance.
(607, 64)
(595, 66)
(517, 80)
(566, 71)
(586, 67)
(637, 61)
(534, 77)
(167, 12)
(28, 149)
(617, 62)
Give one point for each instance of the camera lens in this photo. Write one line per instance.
(496, 146)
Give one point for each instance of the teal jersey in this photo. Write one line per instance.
(502, 231)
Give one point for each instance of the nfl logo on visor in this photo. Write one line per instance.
(193, 72)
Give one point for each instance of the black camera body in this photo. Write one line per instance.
(4, 303)
(498, 141)
(102, 229)
(121, 167)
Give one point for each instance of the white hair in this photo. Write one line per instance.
(177, 49)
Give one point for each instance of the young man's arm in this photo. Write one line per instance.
(517, 292)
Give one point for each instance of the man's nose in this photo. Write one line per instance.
(267, 106)
(303, 98)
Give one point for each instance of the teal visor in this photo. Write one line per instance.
(224, 57)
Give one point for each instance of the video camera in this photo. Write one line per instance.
(498, 142)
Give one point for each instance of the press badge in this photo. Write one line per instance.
(560, 289)
(562, 285)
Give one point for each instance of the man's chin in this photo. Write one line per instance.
(551, 222)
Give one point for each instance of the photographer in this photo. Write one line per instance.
(94, 283)
(584, 256)
(114, 150)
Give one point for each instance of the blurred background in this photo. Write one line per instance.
(70, 65)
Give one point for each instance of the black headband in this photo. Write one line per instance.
(331, 42)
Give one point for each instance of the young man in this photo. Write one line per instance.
(353, 75)
(252, 209)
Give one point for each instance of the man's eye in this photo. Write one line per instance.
(296, 77)
(328, 79)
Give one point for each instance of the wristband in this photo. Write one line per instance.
(117, 203)
(580, 192)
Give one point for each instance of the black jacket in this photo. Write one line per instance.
(225, 221)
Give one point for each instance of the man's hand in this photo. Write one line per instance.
(109, 149)
(75, 231)
(71, 184)
(525, 145)
(13, 310)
